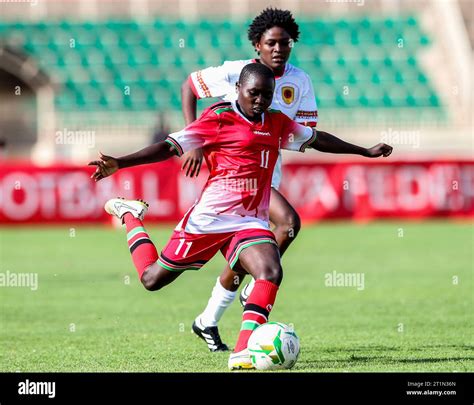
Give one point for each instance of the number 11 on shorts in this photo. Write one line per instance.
(181, 243)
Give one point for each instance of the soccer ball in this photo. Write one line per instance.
(273, 346)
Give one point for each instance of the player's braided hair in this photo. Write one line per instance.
(255, 69)
(269, 18)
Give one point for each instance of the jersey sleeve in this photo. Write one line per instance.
(211, 82)
(198, 134)
(307, 113)
(295, 136)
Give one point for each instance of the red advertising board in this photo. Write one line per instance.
(65, 194)
(380, 190)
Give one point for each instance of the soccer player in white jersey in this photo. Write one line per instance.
(272, 33)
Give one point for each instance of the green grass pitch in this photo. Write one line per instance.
(90, 313)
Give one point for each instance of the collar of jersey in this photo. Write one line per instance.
(236, 110)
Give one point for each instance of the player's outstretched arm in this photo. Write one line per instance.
(108, 165)
(192, 159)
(326, 142)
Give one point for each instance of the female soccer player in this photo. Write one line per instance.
(241, 142)
(272, 34)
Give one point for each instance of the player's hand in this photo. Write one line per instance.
(381, 149)
(106, 166)
(193, 162)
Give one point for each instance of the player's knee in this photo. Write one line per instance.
(293, 225)
(290, 225)
(150, 282)
(273, 273)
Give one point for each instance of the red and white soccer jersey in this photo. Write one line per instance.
(240, 156)
(294, 94)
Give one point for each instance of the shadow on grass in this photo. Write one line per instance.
(378, 348)
(367, 359)
(348, 358)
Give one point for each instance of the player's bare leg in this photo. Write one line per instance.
(156, 277)
(285, 219)
(231, 279)
(287, 224)
(143, 251)
(263, 263)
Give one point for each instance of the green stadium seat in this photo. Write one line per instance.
(419, 95)
(382, 76)
(349, 96)
(128, 74)
(373, 96)
(374, 54)
(434, 101)
(108, 37)
(80, 34)
(149, 75)
(203, 38)
(224, 39)
(154, 57)
(188, 58)
(101, 73)
(349, 53)
(397, 96)
(339, 74)
(114, 99)
(48, 59)
(324, 91)
(328, 78)
(69, 58)
(116, 56)
(342, 37)
(92, 57)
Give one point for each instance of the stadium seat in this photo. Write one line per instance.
(153, 57)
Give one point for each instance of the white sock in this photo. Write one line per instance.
(218, 303)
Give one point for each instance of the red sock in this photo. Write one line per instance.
(256, 310)
(141, 247)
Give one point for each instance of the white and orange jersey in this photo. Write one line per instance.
(240, 156)
(294, 94)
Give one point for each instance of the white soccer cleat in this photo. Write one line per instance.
(240, 361)
(118, 207)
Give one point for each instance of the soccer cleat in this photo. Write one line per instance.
(210, 335)
(240, 361)
(120, 206)
(245, 294)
